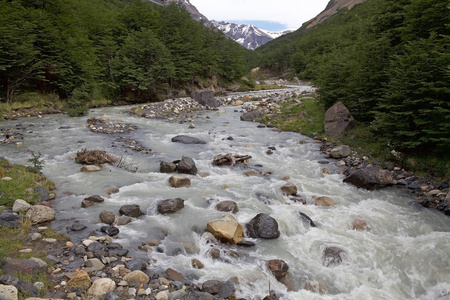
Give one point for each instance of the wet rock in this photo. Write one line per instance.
(80, 280)
(187, 166)
(132, 210)
(252, 116)
(227, 206)
(340, 151)
(136, 265)
(95, 198)
(167, 167)
(278, 267)
(245, 243)
(333, 255)
(170, 205)
(110, 230)
(214, 253)
(112, 190)
(124, 220)
(90, 168)
(102, 287)
(223, 289)
(263, 226)
(43, 193)
(226, 229)
(298, 200)
(370, 178)
(305, 219)
(77, 226)
(316, 287)
(196, 264)
(199, 296)
(136, 277)
(21, 266)
(20, 206)
(87, 203)
(359, 224)
(251, 173)
(174, 275)
(8, 292)
(163, 295)
(338, 120)
(324, 201)
(178, 181)
(289, 189)
(185, 139)
(40, 214)
(107, 217)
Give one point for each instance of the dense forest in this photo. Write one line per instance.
(388, 61)
(123, 50)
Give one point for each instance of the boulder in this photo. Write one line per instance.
(124, 220)
(8, 292)
(77, 226)
(80, 280)
(324, 201)
(185, 139)
(167, 167)
(102, 287)
(178, 181)
(136, 277)
(174, 275)
(223, 289)
(196, 264)
(205, 98)
(370, 178)
(170, 205)
(40, 214)
(95, 198)
(24, 287)
(107, 217)
(187, 166)
(340, 151)
(338, 120)
(289, 189)
(252, 116)
(112, 190)
(226, 229)
(227, 206)
(263, 226)
(136, 264)
(132, 210)
(110, 230)
(278, 267)
(333, 255)
(20, 206)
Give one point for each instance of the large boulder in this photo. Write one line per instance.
(185, 139)
(338, 120)
(40, 214)
(340, 151)
(187, 166)
(226, 229)
(205, 98)
(252, 116)
(263, 226)
(170, 205)
(370, 178)
(132, 210)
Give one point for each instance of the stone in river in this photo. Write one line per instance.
(167, 167)
(132, 210)
(333, 255)
(263, 226)
(187, 166)
(185, 139)
(278, 267)
(170, 205)
(178, 181)
(289, 189)
(226, 229)
(370, 178)
(227, 206)
(107, 217)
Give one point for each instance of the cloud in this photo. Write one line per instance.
(291, 13)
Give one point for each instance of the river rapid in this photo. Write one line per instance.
(405, 253)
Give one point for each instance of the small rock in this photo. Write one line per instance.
(174, 275)
(20, 206)
(333, 255)
(340, 151)
(278, 267)
(170, 205)
(112, 190)
(196, 264)
(80, 280)
(77, 226)
(90, 168)
(178, 181)
(107, 217)
(40, 214)
(251, 173)
(324, 201)
(289, 189)
(359, 224)
(226, 229)
(136, 277)
(167, 167)
(163, 295)
(102, 287)
(132, 210)
(227, 206)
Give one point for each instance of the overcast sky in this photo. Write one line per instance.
(274, 14)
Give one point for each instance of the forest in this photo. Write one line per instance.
(387, 61)
(124, 50)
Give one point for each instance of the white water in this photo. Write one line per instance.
(404, 255)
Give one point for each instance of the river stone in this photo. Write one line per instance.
(90, 168)
(20, 205)
(196, 264)
(359, 224)
(263, 226)
(163, 295)
(278, 267)
(8, 292)
(40, 214)
(289, 189)
(178, 181)
(112, 190)
(227, 289)
(170, 205)
(185, 139)
(174, 275)
(187, 166)
(211, 286)
(167, 167)
(227, 206)
(95, 198)
(341, 151)
(199, 296)
(107, 217)
(80, 280)
(333, 255)
(306, 220)
(110, 230)
(124, 220)
(338, 120)
(9, 219)
(87, 203)
(136, 264)
(370, 178)
(324, 201)
(95, 264)
(136, 277)
(23, 286)
(77, 226)
(22, 266)
(101, 287)
(226, 229)
(252, 116)
(175, 295)
(131, 210)
(251, 172)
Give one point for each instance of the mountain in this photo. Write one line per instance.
(332, 7)
(186, 4)
(248, 36)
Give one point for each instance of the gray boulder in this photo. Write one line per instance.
(187, 166)
(170, 205)
(205, 98)
(107, 217)
(40, 214)
(185, 139)
(338, 120)
(340, 151)
(263, 226)
(252, 116)
(370, 178)
(132, 210)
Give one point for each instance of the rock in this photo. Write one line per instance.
(223, 289)
(298, 200)
(102, 287)
(163, 295)
(77, 226)
(214, 253)
(316, 287)
(87, 203)
(170, 205)
(8, 292)
(199, 296)
(136, 264)
(324, 201)
(132, 210)
(107, 217)
(90, 168)
(226, 229)
(167, 167)
(124, 220)
(227, 206)
(251, 173)
(359, 224)
(174, 275)
(9, 219)
(263, 226)
(289, 189)
(21, 266)
(178, 181)
(196, 264)
(110, 230)
(341, 151)
(185, 139)
(205, 98)
(136, 277)
(112, 190)
(333, 255)
(306, 220)
(80, 280)
(187, 166)
(252, 116)
(23, 286)
(20, 206)
(40, 214)
(211, 286)
(370, 178)
(95, 198)
(95, 264)
(338, 120)
(278, 267)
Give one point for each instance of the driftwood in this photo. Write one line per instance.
(94, 157)
(229, 159)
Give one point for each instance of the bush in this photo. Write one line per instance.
(79, 111)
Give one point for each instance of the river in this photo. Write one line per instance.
(405, 253)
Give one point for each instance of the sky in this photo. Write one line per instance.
(271, 15)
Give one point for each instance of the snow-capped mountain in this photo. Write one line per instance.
(248, 36)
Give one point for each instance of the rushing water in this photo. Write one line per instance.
(404, 255)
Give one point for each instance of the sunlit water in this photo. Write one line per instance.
(404, 255)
